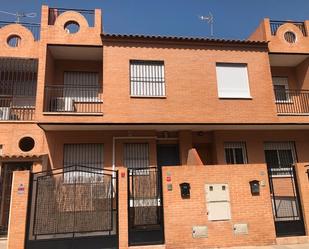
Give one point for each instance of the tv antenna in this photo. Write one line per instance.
(210, 20)
(19, 15)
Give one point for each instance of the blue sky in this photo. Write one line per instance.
(233, 18)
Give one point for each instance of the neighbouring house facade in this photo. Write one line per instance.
(117, 141)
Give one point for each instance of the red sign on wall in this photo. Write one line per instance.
(21, 189)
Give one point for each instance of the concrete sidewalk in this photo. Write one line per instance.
(298, 246)
(3, 243)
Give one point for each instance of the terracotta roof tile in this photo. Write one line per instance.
(182, 39)
(20, 156)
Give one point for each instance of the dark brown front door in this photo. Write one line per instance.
(7, 170)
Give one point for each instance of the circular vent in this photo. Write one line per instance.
(71, 27)
(290, 37)
(14, 41)
(26, 144)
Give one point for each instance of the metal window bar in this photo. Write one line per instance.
(18, 81)
(70, 98)
(53, 13)
(274, 25)
(35, 28)
(280, 157)
(88, 155)
(231, 156)
(136, 156)
(147, 78)
(294, 102)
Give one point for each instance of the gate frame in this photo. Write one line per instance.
(159, 177)
(114, 178)
(293, 178)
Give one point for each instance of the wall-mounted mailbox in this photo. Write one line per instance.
(185, 190)
(255, 187)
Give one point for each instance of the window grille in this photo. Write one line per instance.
(281, 87)
(235, 153)
(136, 156)
(147, 78)
(280, 156)
(82, 155)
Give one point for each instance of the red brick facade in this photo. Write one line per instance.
(190, 115)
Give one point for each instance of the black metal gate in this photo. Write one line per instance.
(145, 206)
(286, 204)
(75, 208)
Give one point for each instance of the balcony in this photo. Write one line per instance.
(33, 27)
(13, 108)
(292, 102)
(274, 25)
(70, 99)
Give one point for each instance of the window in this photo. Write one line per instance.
(81, 86)
(280, 156)
(147, 79)
(136, 156)
(77, 156)
(281, 87)
(232, 80)
(26, 144)
(1, 149)
(235, 153)
(290, 37)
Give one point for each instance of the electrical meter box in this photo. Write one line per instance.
(218, 202)
(200, 232)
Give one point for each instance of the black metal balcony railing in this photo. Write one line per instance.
(294, 102)
(17, 108)
(53, 13)
(33, 27)
(73, 99)
(274, 25)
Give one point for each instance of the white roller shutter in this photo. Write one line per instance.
(232, 80)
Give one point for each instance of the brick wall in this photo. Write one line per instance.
(18, 210)
(181, 214)
(303, 186)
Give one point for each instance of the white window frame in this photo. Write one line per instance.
(225, 78)
(236, 145)
(282, 81)
(147, 79)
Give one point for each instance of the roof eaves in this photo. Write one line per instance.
(182, 39)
